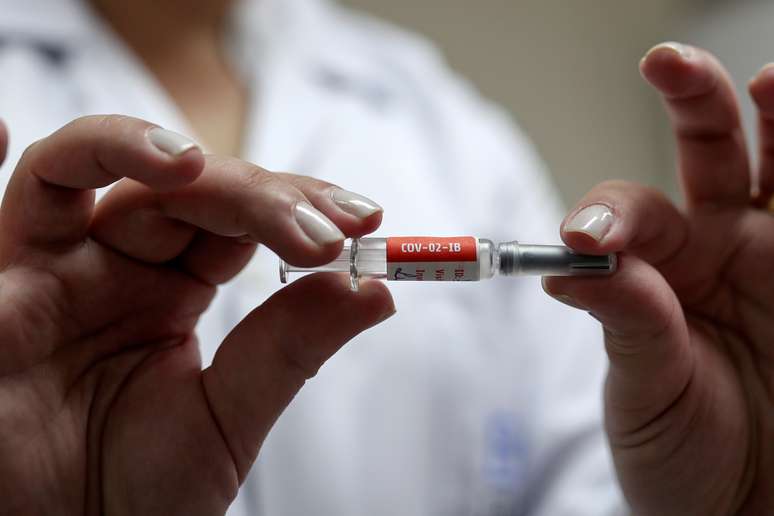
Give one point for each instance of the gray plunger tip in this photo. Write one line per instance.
(552, 260)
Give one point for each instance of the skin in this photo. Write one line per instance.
(689, 317)
(104, 407)
(181, 44)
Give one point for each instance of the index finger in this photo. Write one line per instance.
(50, 196)
(702, 105)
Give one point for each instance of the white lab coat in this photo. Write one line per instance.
(476, 399)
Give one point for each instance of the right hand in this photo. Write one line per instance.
(104, 407)
(689, 316)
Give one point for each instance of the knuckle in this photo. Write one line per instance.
(256, 178)
(273, 188)
(258, 189)
(108, 123)
(29, 156)
(305, 182)
(112, 125)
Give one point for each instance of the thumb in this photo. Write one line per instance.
(646, 335)
(646, 339)
(267, 358)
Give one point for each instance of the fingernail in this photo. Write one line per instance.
(684, 51)
(317, 226)
(354, 204)
(170, 142)
(594, 220)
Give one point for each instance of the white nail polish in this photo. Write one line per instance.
(354, 204)
(317, 226)
(594, 220)
(683, 51)
(170, 142)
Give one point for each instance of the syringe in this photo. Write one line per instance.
(454, 259)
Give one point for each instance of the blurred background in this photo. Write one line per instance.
(568, 71)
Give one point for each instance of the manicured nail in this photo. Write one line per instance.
(594, 220)
(684, 51)
(317, 226)
(171, 142)
(354, 204)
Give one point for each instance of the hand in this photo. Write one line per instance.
(689, 316)
(104, 408)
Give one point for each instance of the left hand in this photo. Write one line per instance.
(689, 316)
(104, 406)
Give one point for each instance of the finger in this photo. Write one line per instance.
(646, 338)
(215, 259)
(762, 92)
(702, 105)
(49, 199)
(3, 141)
(129, 218)
(265, 361)
(69, 299)
(355, 214)
(623, 216)
(231, 199)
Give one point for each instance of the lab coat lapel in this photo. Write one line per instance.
(103, 74)
(317, 87)
(289, 119)
(62, 24)
(291, 114)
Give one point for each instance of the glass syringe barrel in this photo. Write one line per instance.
(454, 259)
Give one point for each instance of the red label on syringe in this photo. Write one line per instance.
(432, 259)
